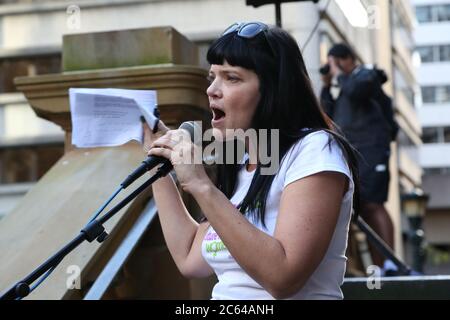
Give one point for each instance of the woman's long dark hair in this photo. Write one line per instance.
(287, 103)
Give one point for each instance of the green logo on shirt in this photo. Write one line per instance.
(214, 247)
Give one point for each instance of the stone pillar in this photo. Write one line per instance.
(63, 200)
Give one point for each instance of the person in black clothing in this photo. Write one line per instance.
(352, 97)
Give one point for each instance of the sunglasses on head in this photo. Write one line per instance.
(249, 30)
(246, 29)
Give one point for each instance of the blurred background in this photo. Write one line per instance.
(409, 40)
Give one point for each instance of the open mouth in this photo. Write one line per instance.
(217, 114)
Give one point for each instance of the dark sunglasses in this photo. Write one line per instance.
(249, 30)
(246, 29)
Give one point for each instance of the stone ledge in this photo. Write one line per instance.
(127, 48)
(398, 288)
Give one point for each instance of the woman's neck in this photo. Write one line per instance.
(252, 151)
(250, 167)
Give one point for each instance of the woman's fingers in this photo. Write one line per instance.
(150, 136)
(165, 142)
(174, 145)
(162, 127)
(171, 139)
(160, 152)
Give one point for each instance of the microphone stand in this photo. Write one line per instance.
(92, 231)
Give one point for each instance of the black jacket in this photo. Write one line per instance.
(356, 110)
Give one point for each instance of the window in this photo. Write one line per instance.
(326, 42)
(444, 53)
(404, 139)
(442, 12)
(436, 135)
(443, 94)
(428, 94)
(402, 85)
(446, 134)
(436, 94)
(28, 163)
(434, 53)
(444, 170)
(426, 53)
(433, 13)
(26, 66)
(423, 14)
(430, 135)
(403, 31)
(409, 94)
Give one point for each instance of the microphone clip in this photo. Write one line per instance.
(157, 115)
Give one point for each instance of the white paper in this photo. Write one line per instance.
(109, 117)
(145, 99)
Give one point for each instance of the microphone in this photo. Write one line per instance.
(194, 131)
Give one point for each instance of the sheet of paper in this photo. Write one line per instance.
(101, 120)
(146, 101)
(109, 117)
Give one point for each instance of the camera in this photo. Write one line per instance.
(381, 74)
(325, 69)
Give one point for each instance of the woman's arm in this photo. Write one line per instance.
(307, 218)
(183, 235)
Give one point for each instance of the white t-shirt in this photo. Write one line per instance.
(308, 156)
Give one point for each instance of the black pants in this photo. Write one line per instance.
(374, 173)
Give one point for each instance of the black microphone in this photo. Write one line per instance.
(194, 132)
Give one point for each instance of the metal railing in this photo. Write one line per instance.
(123, 252)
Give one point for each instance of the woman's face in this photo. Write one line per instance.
(233, 97)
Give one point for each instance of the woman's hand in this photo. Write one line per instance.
(150, 137)
(186, 158)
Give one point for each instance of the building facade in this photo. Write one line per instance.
(433, 47)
